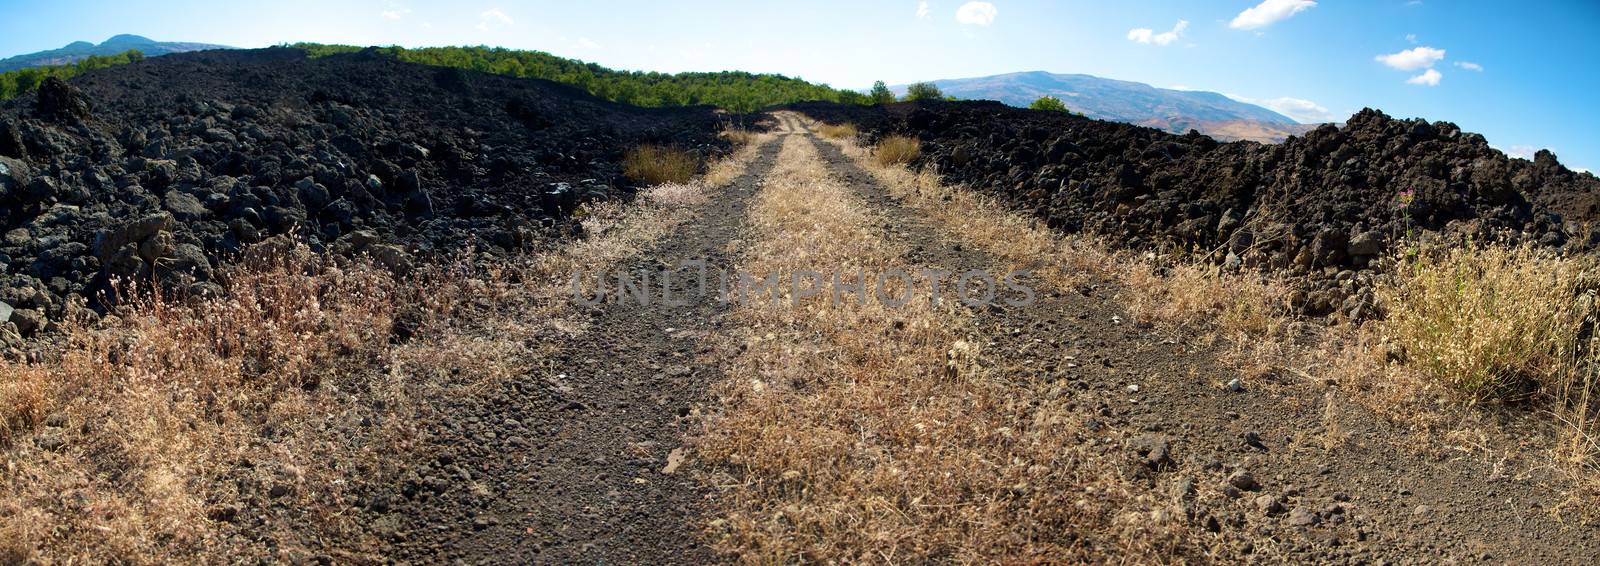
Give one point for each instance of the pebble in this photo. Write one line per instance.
(1235, 386)
(1244, 481)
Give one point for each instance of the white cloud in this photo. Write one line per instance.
(1412, 59)
(923, 11)
(492, 19)
(1299, 109)
(1411, 38)
(1470, 66)
(1519, 151)
(395, 14)
(1149, 36)
(976, 13)
(1269, 12)
(1429, 77)
(586, 43)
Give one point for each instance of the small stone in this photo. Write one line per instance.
(1269, 504)
(1235, 386)
(279, 490)
(1133, 388)
(1300, 517)
(1244, 481)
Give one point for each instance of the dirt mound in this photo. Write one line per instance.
(160, 168)
(1325, 205)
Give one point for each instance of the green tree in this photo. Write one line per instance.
(1049, 103)
(881, 94)
(923, 91)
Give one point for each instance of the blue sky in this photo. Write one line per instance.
(1521, 73)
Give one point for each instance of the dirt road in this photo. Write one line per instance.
(698, 431)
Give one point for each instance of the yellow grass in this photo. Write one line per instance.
(896, 150)
(846, 131)
(654, 164)
(857, 432)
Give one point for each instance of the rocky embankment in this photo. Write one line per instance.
(1324, 206)
(162, 169)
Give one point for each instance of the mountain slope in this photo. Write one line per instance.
(78, 50)
(1175, 111)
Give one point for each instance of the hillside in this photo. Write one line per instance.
(1175, 111)
(79, 50)
(732, 90)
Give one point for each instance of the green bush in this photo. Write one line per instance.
(15, 83)
(880, 93)
(923, 91)
(1049, 103)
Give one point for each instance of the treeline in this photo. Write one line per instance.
(20, 81)
(733, 90)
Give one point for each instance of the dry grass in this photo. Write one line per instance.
(896, 150)
(1494, 323)
(132, 439)
(654, 165)
(846, 131)
(1504, 321)
(856, 432)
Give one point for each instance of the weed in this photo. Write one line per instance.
(897, 150)
(654, 165)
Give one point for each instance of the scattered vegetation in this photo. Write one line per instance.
(733, 90)
(897, 150)
(920, 91)
(880, 93)
(17, 82)
(846, 131)
(1049, 103)
(654, 165)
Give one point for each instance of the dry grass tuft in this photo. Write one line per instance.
(654, 165)
(846, 131)
(1494, 323)
(896, 150)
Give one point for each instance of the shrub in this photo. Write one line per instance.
(1493, 323)
(880, 93)
(923, 91)
(654, 165)
(845, 131)
(1049, 103)
(897, 150)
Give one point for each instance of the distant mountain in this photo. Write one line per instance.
(82, 49)
(1176, 111)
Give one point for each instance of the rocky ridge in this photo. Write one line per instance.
(1323, 207)
(163, 169)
